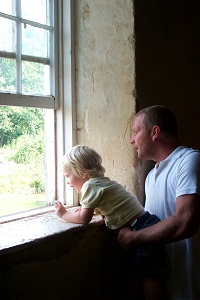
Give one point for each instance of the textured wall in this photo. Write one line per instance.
(105, 83)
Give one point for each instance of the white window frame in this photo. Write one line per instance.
(61, 133)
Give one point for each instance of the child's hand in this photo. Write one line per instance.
(59, 209)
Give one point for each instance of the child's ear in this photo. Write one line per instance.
(85, 176)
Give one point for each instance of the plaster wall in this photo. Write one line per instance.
(105, 79)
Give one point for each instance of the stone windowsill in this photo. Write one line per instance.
(21, 231)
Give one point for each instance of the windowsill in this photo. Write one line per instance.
(20, 232)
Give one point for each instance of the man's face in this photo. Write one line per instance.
(141, 138)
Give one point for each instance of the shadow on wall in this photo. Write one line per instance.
(167, 51)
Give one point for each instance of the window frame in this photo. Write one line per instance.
(61, 132)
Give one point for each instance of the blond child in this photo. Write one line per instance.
(83, 170)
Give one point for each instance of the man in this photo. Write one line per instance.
(172, 191)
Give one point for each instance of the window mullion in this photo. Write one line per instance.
(18, 47)
(52, 55)
(25, 21)
(67, 109)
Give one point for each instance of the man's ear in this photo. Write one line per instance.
(155, 130)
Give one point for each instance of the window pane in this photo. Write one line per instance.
(22, 179)
(34, 41)
(7, 74)
(35, 78)
(35, 11)
(8, 35)
(7, 7)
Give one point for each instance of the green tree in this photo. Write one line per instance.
(17, 121)
(7, 74)
(33, 78)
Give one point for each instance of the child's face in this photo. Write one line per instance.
(73, 180)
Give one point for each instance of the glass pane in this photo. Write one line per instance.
(7, 7)
(22, 171)
(35, 11)
(7, 74)
(8, 35)
(35, 78)
(34, 41)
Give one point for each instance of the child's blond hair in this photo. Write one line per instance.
(83, 160)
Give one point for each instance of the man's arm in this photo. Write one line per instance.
(182, 225)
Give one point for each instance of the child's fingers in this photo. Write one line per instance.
(57, 203)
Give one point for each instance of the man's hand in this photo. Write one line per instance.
(125, 236)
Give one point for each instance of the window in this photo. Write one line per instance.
(36, 48)
(27, 49)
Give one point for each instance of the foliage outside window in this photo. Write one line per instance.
(22, 178)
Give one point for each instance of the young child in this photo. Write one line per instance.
(83, 171)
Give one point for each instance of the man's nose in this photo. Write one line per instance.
(132, 140)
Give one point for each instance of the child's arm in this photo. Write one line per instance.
(84, 216)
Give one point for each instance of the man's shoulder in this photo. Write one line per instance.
(183, 151)
(189, 158)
